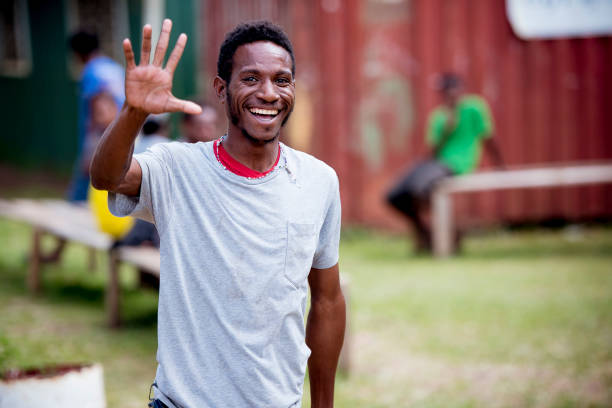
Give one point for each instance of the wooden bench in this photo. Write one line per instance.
(557, 176)
(64, 220)
(145, 258)
(75, 223)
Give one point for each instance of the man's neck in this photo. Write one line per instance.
(256, 156)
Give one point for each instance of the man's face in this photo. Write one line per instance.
(261, 91)
(451, 95)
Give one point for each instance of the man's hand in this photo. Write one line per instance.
(451, 119)
(493, 149)
(148, 89)
(148, 86)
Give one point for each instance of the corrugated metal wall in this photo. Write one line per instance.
(365, 70)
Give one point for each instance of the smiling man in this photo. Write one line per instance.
(246, 225)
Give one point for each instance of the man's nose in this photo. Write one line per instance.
(267, 91)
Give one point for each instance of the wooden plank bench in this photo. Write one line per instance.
(538, 177)
(76, 223)
(64, 220)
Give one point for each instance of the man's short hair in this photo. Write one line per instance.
(448, 81)
(154, 123)
(83, 42)
(247, 33)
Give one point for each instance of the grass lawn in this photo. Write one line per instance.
(521, 319)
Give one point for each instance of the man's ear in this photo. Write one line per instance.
(220, 85)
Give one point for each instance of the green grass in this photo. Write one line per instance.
(520, 319)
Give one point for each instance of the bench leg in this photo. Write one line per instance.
(35, 261)
(113, 290)
(92, 254)
(442, 224)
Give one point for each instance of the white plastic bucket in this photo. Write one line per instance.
(73, 387)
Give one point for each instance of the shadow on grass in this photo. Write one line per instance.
(142, 320)
(73, 292)
(503, 245)
(525, 249)
(138, 306)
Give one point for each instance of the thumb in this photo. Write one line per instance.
(180, 105)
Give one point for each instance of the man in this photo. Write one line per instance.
(456, 130)
(201, 127)
(101, 76)
(246, 224)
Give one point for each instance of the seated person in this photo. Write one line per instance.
(456, 131)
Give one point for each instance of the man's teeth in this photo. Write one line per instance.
(259, 111)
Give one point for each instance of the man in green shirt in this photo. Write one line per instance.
(456, 132)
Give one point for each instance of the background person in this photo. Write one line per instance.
(100, 76)
(201, 127)
(100, 87)
(456, 131)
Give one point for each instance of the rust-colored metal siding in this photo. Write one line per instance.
(365, 70)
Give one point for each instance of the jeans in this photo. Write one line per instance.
(154, 402)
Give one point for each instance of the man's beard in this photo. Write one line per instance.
(234, 117)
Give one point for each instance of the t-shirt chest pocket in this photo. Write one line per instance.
(301, 246)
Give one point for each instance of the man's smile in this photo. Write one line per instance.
(264, 114)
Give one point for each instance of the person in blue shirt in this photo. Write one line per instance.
(101, 75)
(101, 95)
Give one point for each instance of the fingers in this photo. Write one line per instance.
(177, 52)
(145, 52)
(180, 105)
(162, 43)
(129, 54)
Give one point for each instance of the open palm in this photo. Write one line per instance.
(148, 86)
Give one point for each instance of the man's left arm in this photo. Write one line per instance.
(486, 129)
(324, 333)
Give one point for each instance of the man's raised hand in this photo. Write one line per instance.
(148, 86)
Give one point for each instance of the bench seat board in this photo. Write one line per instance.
(62, 219)
(537, 177)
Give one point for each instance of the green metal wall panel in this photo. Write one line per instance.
(184, 14)
(38, 112)
(184, 20)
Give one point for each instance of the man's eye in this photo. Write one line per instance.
(283, 81)
(250, 79)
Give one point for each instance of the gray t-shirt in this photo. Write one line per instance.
(235, 257)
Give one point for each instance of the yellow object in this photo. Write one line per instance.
(117, 227)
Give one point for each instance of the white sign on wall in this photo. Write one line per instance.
(531, 19)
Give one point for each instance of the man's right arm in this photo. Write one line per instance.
(148, 89)
(112, 166)
(443, 129)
